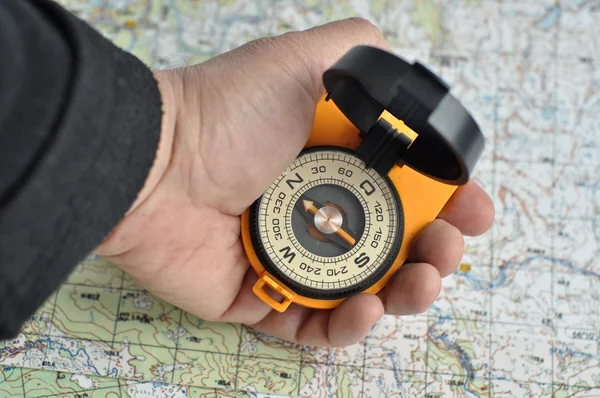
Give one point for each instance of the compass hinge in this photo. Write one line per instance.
(382, 147)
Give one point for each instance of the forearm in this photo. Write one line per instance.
(80, 125)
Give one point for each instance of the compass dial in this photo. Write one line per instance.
(328, 226)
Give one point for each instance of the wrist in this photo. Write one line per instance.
(169, 93)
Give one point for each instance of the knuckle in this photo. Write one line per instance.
(366, 29)
(259, 45)
(363, 24)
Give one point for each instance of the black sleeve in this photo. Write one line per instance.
(79, 128)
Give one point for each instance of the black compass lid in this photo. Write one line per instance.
(367, 80)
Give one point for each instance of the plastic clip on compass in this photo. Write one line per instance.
(388, 148)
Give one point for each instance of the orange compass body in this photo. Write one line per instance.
(421, 192)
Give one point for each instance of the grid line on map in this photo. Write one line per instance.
(300, 370)
(364, 366)
(120, 385)
(491, 261)
(492, 232)
(179, 331)
(108, 287)
(239, 352)
(23, 383)
(433, 317)
(49, 334)
(114, 336)
(154, 50)
(552, 201)
(441, 40)
(77, 393)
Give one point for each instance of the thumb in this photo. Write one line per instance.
(258, 101)
(317, 49)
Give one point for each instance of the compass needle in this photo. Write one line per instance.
(346, 236)
(327, 221)
(309, 206)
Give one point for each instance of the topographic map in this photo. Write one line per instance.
(521, 315)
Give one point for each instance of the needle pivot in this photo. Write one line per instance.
(328, 220)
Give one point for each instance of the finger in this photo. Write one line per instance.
(247, 308)
(470, 209)
(268, 115)
(346, 325)
(439, 244)
(412, 289)
(349, 323)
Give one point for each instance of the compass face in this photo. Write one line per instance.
(328, 227)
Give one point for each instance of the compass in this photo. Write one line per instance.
(328, 226)
(388, 148)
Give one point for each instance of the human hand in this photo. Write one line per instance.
(231, 126)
